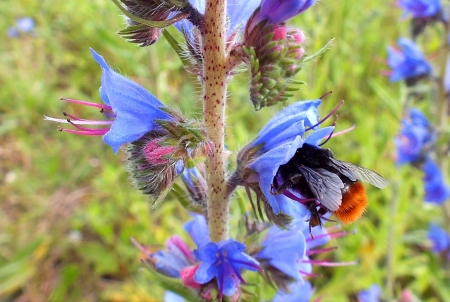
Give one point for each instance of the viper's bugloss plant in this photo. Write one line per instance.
(297, 183)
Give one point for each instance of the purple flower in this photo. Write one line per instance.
(370, 295)
(420, 8)
(300, 291)
(439, 238)
(415, 135)
(279, 11)
(278, 142)
(436, 191)
(23, 25)
(408, 63)
(130, 110)
(223, 261)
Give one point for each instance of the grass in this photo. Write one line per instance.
(68, 209)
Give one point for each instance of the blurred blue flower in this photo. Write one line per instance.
(408, 63)
(420, 8)
(439, 238)
(223, 261)
(279, 11)
(277, 143)
(23, 25)
(414, 137)
(300, 291)
(370, 295)
(436, 191)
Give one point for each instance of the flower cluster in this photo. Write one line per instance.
(161, 141)
(292, 174)
(414, 146)
(297, 182)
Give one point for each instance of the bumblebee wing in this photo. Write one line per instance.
(353, 171)
(326, 186)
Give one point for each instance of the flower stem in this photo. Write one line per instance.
(214, 99)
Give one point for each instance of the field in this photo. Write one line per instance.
(68, 208)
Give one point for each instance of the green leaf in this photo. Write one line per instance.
(176, 46)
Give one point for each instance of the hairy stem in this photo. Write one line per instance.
(214, 98)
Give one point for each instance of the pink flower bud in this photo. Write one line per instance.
(156, 154)
(187, 276)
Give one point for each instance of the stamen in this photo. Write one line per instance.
(88, 133)
(81, 128)
(309, 274)
(89, 104)
(331, 134)
(343, 131)
(327, 116)
(78, 121)
(325, 94)
(71, 116)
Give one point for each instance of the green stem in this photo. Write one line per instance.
(214, 100)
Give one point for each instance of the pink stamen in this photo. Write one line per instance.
(343, 131)
(82, 128)
(327, 116)
(90, 104)
(140, 247)
(309, 274)
(90, 132)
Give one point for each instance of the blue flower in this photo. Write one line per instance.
(278, 142)
(439, 238)
(370, 295)
(284, 250)
(407, 63)
(279, 11)
(130, 109)
(300, 291)
(134, 107)
(420, 8)
(223, 261)
(436, 191)
(198, 229)
(415, 135)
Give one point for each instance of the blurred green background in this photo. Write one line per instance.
(68, 209)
